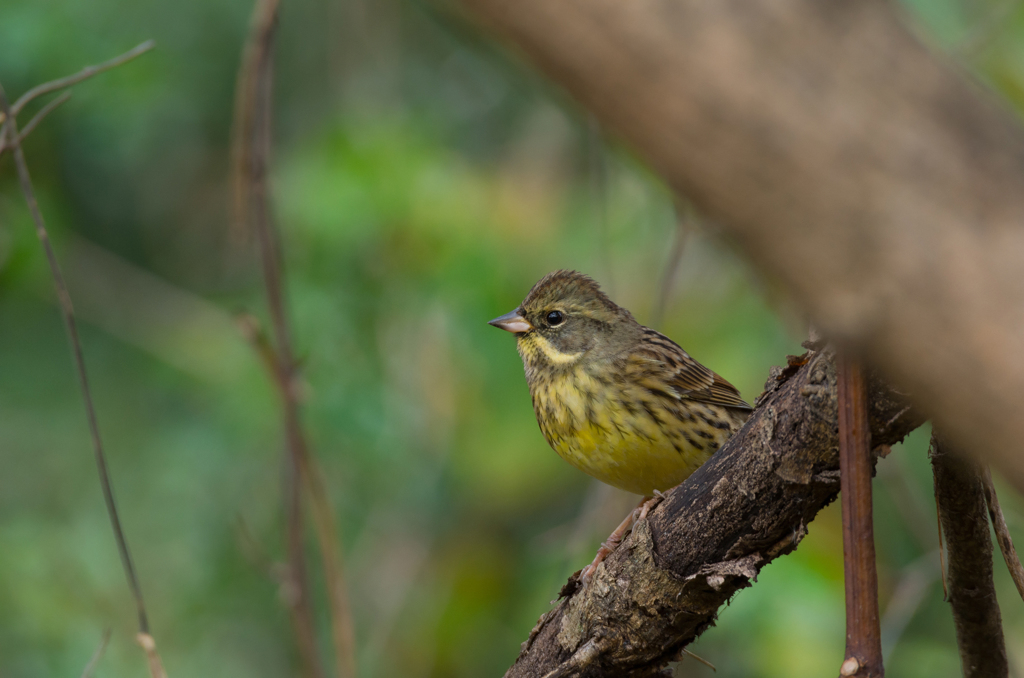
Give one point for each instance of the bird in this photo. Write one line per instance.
(617, 400)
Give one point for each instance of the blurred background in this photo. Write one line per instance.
(423, 180)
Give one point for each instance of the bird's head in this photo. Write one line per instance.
(566, 318)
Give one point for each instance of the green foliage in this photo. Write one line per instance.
(422, 183)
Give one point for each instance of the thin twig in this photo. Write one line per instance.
(43, 112)
(942, 557)
(342, 631)
(250, 151)
(148, 645)
(1002, 532)
(34, 122)
(972, 593)
(863, 633)
(683, 217)
(253, 76)
(68, 315)
(697, 657)
(84, 74)
(90, 668)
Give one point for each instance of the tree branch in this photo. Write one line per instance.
(1002, 531)
(10, 137)
(851, 164)
(84, 74)
(34, 122)
(251, 145)
(863, 632)
(961, 499)
(750, 503)
(251, 149)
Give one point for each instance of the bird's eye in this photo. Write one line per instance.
(555, 318)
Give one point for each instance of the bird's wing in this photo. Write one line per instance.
(661, 365)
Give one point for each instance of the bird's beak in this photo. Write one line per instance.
(512, 322)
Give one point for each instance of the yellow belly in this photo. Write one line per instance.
(610, 432)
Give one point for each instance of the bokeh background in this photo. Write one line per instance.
(423, 181)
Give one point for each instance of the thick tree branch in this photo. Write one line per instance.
(849, 162)
(960, 495)
(750, 503)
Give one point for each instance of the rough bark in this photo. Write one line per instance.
(863, 172)
(960, 496)
(750, 503)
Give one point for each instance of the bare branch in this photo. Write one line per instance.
(148, 645)
(68, 315)
(254, 77)
(84, 74)
(34, 122)
(342, 631)
(1002, 532)
(863, 632)
(43, 112)
(251, 149)
(250, 152)
(972, 594)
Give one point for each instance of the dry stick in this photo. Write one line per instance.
(251, 150)
(942, 557)
(863, 633)
(972, 594)
(250, 154)
(342, 631)
(323, 517)
(1002, 532)
(255, 68)
(68, 315)
(97, 655)
(36, 119)
(83, 74)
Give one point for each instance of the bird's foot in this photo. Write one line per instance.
(616, 537)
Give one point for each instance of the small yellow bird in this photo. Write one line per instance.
(615, 399)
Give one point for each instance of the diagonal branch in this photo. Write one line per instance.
(84, 74)
(749, 504)
(1002, 530)
(34, 122)
(960, 495)
(13, 138)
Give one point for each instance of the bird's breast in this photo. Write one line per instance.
(622, 434)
